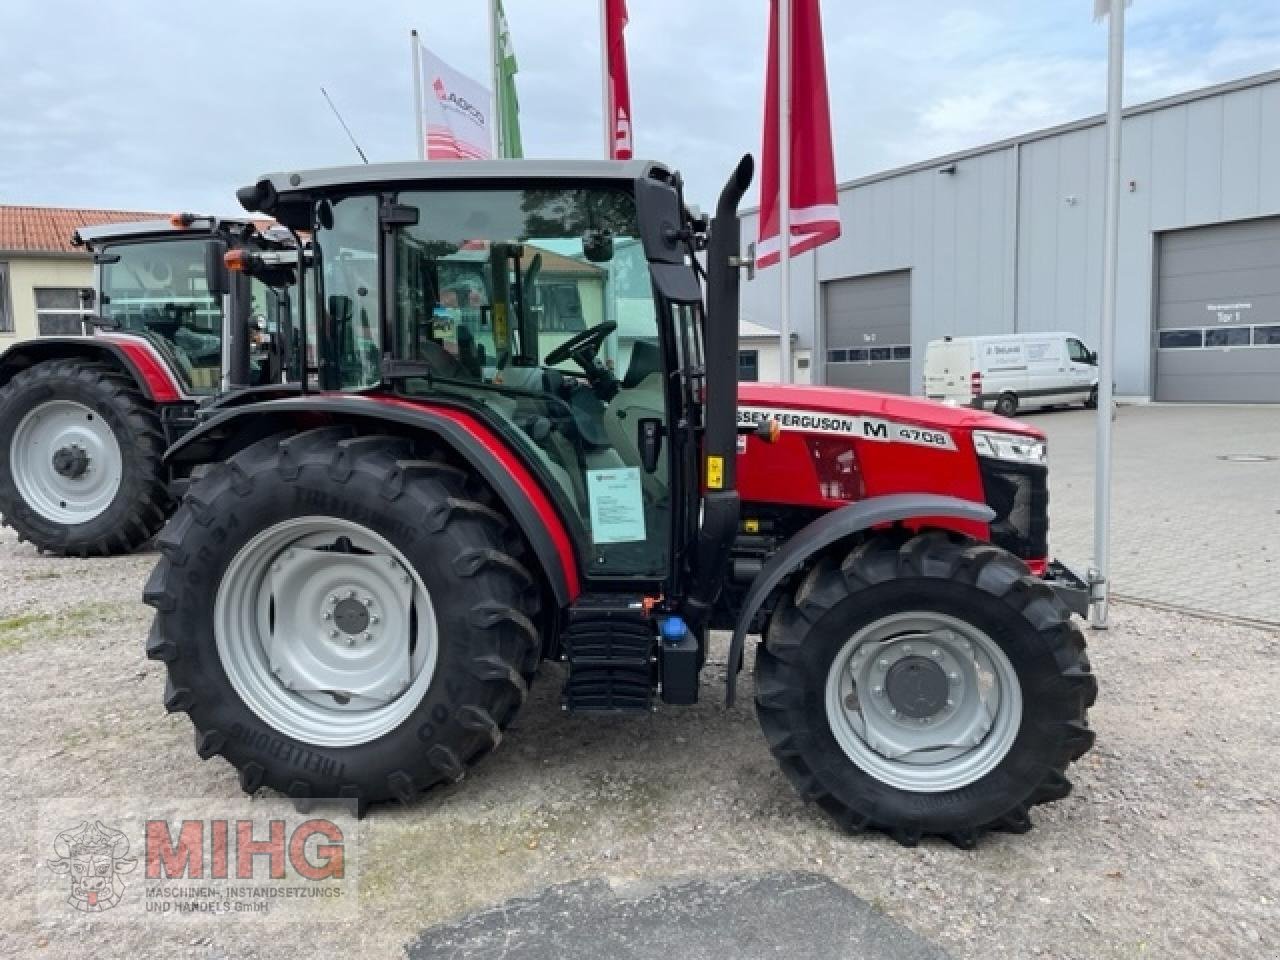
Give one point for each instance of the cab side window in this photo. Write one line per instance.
(1079, 353)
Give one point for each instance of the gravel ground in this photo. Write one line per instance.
(1169, 846)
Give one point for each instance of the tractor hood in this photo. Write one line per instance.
(847, 402)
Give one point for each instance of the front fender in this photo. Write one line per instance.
(831, 528)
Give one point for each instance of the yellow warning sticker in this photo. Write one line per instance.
(715, 473)
(750, 525)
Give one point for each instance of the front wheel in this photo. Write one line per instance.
(1091, 401)
(925, 687)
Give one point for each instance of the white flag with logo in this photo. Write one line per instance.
(456, 113)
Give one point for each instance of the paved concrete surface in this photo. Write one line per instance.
(796, 915)
(1188, 528)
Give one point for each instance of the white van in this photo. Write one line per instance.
(1011, 372)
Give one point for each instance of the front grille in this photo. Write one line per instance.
(1019, 495)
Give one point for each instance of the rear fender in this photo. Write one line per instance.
(528, 504)
(831, 528)
(132, 355)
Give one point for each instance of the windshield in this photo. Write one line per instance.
(158, 289)
(536, 305)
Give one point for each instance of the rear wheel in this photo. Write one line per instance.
(82, 471)
(1006, 404)
(341, 617)
(925, 687)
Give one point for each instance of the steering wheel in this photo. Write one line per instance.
(584, 348)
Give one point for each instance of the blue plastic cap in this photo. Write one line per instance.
(673, 628)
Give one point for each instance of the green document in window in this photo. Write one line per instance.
(617, 505)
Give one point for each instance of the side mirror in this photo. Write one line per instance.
(597, 245)
(216, 277)
(1093, 357)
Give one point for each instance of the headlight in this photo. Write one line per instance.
(1014, 447)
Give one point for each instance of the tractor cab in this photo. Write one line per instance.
(562, 309)
(165, 282)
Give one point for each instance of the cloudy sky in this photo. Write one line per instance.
(160, 104)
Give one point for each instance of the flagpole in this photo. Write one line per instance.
(417, 94)
(784, 184)
(1100, 575)
(606, 121)
(495, 99)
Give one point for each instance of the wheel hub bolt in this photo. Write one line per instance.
(367, 601)
(333, 598)
(893, 712)
(368, 636)
(937, 654)
(326, 615)
(884, 663)
(851, 702)
(351, 594)
(374, 618)
(953, 677)
(878, 691)
(333, 634)
(906, 648)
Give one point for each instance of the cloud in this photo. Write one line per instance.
(159, 105)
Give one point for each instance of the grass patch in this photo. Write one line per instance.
(25, 620)
(42, 575)
(17, 629)
(12, 629)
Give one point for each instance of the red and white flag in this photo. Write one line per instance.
(617, 86)
(456, 112)
(815, 216)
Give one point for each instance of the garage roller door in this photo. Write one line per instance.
(868, 332)
(1218, 314)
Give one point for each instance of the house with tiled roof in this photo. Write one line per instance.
(41, 273)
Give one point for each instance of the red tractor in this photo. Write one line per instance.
(85, 418)
(527, 442)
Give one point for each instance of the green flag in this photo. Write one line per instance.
(505, 70)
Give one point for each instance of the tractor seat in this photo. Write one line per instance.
(641, 397)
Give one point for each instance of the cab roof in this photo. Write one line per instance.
(394, 174)
(104, 233)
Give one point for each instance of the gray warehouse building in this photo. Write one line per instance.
(1009, 238)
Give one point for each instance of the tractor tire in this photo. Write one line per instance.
(82, 472)
(348, 555)
(872, 688)
(1006, 404)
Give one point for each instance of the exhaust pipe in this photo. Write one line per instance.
(720, 507)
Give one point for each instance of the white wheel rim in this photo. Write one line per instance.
(65, 462)
(328, 647)
(923, 702)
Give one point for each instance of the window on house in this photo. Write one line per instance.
(6, 305)
(59, 310)
(748, 366)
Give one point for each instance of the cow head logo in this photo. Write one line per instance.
(438, 86)
(93, 856)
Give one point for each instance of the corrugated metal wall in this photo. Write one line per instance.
(1013, 240)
